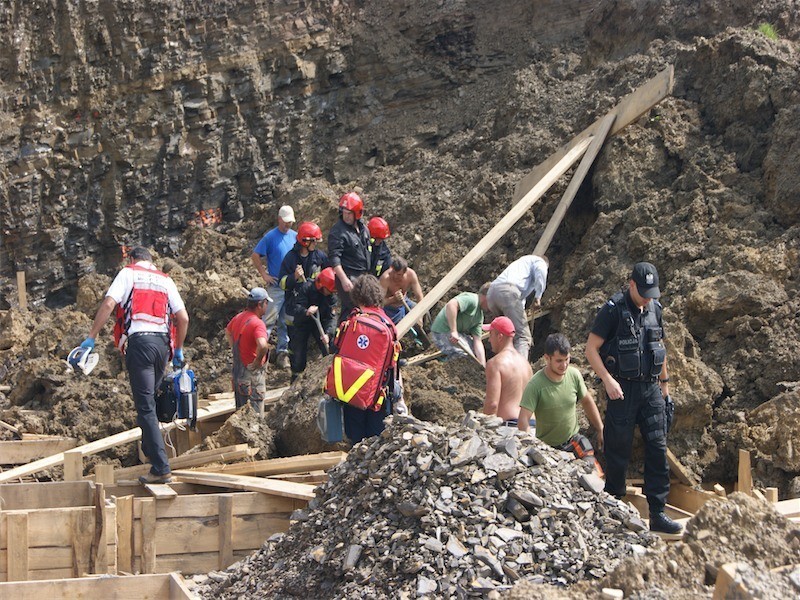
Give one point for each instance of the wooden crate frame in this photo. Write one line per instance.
(141, 587)
(196, 533)
(56, 530)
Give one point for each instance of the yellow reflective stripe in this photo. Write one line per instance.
(353, 389)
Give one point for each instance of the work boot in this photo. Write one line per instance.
(282, 360)
(155, 478)
(661, 523)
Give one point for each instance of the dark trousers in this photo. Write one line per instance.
(146, 359)
(642, 405)
(360, 424)
(298, 345)
(345, 300)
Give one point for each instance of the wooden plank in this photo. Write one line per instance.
(207, 505)
(49, 526)
(745, 480)
(41, 561)
(628, 110)
(639, 502)
(132, 435)
(50, 494)
(124, 524)
(178, 587)
(99, 556)
(771, 494)
(161, 491)
(312, 478)
(82, 531)
(225, 454)
(148, 528)
(20, 452)
(22, 294)
(104, 474)
(495, 233)
(225, 532)
(120, 588)
(687, 498)
(757, 494)
(253, 484)
(17, 536)
(600, 135)
(276, 466)
(788, 508)
(5, 425)
(73, 465)
(192, 534)
(680, 472)
(197, 562)
(727, 585)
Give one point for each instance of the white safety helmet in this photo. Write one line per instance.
(83, 359)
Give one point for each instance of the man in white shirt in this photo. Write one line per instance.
(147, 299)
(507, 295)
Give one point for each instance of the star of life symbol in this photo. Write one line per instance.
(362, 342)
(648, 279)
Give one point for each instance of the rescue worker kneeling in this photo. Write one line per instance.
(364, 375)
(311, 310)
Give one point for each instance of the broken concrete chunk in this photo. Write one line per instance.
(591, 482)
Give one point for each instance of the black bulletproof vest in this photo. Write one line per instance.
(637, 350)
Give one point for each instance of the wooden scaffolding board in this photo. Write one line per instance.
(20, 452)
(539, 180)
(274, 487)
(169, 586)
(283, 466)
(132, 435)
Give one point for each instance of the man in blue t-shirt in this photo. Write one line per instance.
(275, 244)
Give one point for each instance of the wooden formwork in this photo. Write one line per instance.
(55, 530)
(141, 587)
(32, 447)
(196, 533)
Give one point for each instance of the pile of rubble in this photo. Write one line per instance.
(425, 510)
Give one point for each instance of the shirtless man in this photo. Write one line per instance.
(396, 282)
(507, 372)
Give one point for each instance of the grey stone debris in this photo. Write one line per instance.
(443, 512)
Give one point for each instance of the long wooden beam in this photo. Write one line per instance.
(575, 183)
(539, 180)
(203, 414)
(495, 233)
(627, 110)
(274, 487)
(282, 466)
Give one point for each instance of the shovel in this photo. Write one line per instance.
(423, 337)
(315, 316)
(465, 347)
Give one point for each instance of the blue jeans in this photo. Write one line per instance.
(276, 313)
(396, 313)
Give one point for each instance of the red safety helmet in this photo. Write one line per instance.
(378, 228)
(326, 279)
(352, 201)
(308, 232)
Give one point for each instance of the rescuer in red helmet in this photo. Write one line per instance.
(349, 248)
(311, 307)
(304, 261)
(380, 256)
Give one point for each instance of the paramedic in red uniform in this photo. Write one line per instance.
(148, 298)
(247, 336)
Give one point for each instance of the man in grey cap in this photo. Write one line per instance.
(273, 247)
(247, 335)
(626, 350)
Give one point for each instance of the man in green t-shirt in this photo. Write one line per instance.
(461, 317)
(552, 395)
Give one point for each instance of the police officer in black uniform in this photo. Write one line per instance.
(626, 351)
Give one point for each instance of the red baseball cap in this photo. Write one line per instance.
(503, 325)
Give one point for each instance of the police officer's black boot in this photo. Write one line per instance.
(660, 522)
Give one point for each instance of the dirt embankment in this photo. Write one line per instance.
(704, 186)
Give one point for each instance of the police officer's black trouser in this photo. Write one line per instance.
(298, 344)
(642, 405)
(146, 359)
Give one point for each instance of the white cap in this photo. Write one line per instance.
(286, 214)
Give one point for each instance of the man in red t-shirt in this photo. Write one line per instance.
(247, 335)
